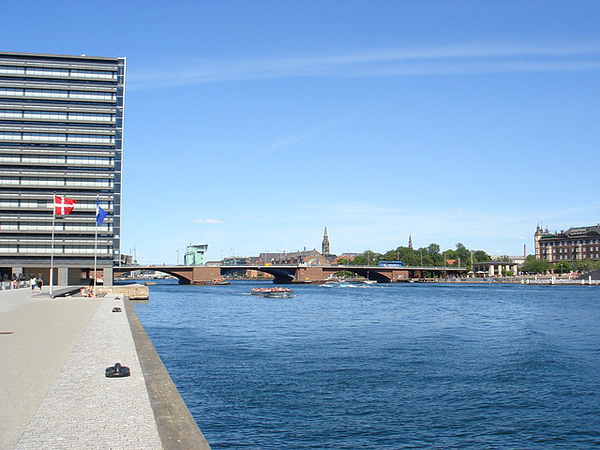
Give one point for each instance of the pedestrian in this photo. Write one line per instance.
(33, 283)
(40, 282)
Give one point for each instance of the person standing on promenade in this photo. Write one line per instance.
(40, 282)
(33, 283)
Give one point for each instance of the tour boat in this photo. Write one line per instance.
(273, 292)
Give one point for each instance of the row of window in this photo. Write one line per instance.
(71, 160)
(55, 182)
(59, 249)
(56, 115)
(85, 227)
(567, 243)
(82, 205)
(567, 250)
(55, 93)
(56, 137)
(83, 150)
(43, 71)
(568, 258)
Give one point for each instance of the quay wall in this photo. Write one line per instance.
(131, 291)
(176, 426)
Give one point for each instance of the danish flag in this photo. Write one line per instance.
(63, 206)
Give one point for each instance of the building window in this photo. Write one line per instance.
(9, 135)
(44, 137)
(92, 117)
(90, 138)
(94, 74)
(47, 72)
(11, 114)
(11, 92)
(49, 93)
(92, 95)
(12, 70)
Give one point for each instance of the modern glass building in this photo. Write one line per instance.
(61, 132)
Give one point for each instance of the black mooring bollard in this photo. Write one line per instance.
(117, 371)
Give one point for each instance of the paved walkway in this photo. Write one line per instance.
(53, 392)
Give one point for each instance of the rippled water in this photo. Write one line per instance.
(384, 366)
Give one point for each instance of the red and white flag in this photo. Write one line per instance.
(63, 206)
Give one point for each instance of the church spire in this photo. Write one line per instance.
(410, 241)
(325, 245)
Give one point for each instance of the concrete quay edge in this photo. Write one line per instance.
(176, 426)
(53, 390)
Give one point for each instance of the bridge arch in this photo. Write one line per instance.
(368, 273)
(280, 275)
(182, 278)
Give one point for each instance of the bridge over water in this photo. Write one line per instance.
(298, 273)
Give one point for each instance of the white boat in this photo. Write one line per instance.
(274, 292)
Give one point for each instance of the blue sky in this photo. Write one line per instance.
(252, 125)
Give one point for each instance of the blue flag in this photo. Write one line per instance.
(100, 213)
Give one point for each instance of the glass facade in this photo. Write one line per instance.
(61, 133)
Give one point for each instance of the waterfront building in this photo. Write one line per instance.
(345, 257)
(520, 259)
(574, 244)
(235, 261)
(308, 257)
(61, 132)
(194, 255)
(494, 268)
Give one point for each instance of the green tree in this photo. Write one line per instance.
(481, 256)
(586, 265)
(433, 249)
(534, 265)
(562, 267)
(367, 258)
(407, 255)
(424, 257)
(463, 255)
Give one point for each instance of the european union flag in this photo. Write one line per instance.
(100, 213)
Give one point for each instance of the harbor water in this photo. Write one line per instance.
(404, 366)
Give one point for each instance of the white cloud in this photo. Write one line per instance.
(207, 221)
(284, 142)
(454, 59)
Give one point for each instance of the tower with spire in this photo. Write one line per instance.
(325, 245)
(410, 241)
(539, 232)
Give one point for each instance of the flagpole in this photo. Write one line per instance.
(52, 246)
(96, 244)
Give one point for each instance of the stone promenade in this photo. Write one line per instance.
(53, 389)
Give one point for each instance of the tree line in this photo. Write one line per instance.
(540, 266)
(430, 256)
(433, 256)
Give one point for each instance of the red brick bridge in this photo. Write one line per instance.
(299, 273)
